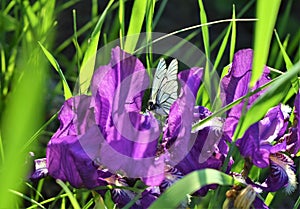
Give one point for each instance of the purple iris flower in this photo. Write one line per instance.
(105, 137)
(262, 143)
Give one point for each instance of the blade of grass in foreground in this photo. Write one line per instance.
(26, 198)
(192, 182)
(207, 71)
(135, 25)
(266, 14)
(54, 63)
(71, 197)
(288, 63)
(233, 35)
(149, 25)
(270, 198)
(24, 104)
(121, 21)
(89, 59)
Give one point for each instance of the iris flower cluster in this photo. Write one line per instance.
(106, 138)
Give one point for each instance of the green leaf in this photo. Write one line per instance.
(222, 47)
(207, 72)
(192, 182)
(273, 96)
(205, 32)
(266, 14)
(270, 197)
(135, 25)
(288, 63)
(54, 63)
(89, 59)
(121, 21)
(26, 198)
(71, 197)
(233, 35)
(8, 23)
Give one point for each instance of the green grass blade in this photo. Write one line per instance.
(283, 22)
(39, 190)
(65, 5)
(192, 182)
(135, 25)
(149, 27)
(161, 9)
(88, 63)
(205, 32)
(240, 14)
(17, 124)
(266, 14)
(41, 129)
(278, 63)
(222, 47)
(270, 197)
(297, 204)
(207, 72)
(233, 35)
(80, 32)
(287, 60)
(49, 200)
(26, 198)
(274, 95)
(54, 63)
(94, 10)
(75, 39)
(121, 21)
(71, 197)
(1, 149)
(288, 63)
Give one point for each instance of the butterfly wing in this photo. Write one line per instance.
(164, 88)
(167, 92)
(157, 79)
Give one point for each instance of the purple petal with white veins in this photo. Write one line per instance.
(282, 174)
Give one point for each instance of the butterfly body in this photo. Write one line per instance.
(164, 89)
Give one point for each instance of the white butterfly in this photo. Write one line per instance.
(164, 89)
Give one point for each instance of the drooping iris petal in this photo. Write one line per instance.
(235, 85)
(66, 158)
